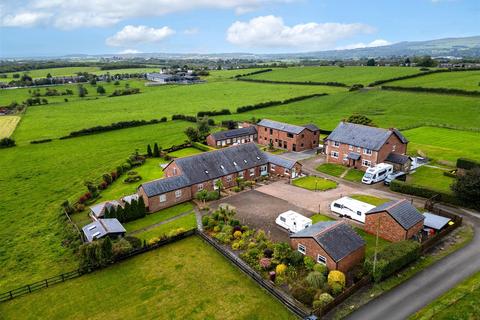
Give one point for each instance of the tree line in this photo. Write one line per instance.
(129, 212)
(313, 83)
(434, 90)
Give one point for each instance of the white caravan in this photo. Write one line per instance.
(377, 173)
(348, 207)
(293, 221)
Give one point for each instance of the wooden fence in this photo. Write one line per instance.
(456, 219)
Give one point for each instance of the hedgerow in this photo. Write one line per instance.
(277, 103)
(433, 90)
(312, 83)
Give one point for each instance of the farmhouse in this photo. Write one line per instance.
(362, 146)
(165, 78)
(230, 137)
(186, 176)
(98, 210)
(288, 136)
(103, 227)
(333, 243)
(394, 220)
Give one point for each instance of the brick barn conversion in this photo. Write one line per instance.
(288, 136)
(362, 146)
(186, 176)
(234, 136)
(333, 243)
(395, 220)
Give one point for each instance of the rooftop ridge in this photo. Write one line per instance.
(334, 225)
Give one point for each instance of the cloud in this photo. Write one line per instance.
(129, 51)
(24, 19)
(271, 32)
(131, 35)
(191, 31)
(374, 43)
(70, 14)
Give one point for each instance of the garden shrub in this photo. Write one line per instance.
(304, 294)
(315, 279)
(134, 241)
(235, 246)
(281, 252)
(321, 268)
(153, 241)
(7, 143)
(132, 179)
(205, 220)
(242, 244)
(296, 258)
(121, 247)
(234, 223)
(336, 276)
(280, 269)
(265, 263)
(308, 262)
(260, 235)
(176, 232)
(216, 229)
(237, 234)
(420, 191)
(252, 245)
(467, 164)
(268, 253)
(336, 288)
(322, 301)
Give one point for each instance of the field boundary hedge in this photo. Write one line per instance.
(277, 103)
(437, 125)
(312, 83)
(433, 90)
(252, 73)
(420, 191)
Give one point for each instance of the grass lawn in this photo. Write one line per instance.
(187, 222)
(8, 125)
(460, 302)
(332, 169)
(466, 80)
(159, 216)
(354, 175)
(431, 178)
(318, 217)
(185, 152)
(374, 201)
(347, 75)
(184, 280)
(444, 144)
(314, 183)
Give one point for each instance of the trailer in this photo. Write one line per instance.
(351, 208)
(293, 221)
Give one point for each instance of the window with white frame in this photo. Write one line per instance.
(178, 193)
(219, 143)
(229, 178)
(163, 197)
(394, 147)
(229, 141)
(252, 172)
(272, 167)
(240, 174)
(359, 149)
(174, 171)
(200, 186)
(367, 151)
(336, 144)
(263, 168)
(350, 147)
(321, 259)
(366, 163)
(334, 154)
(302, 249)
(345, 157)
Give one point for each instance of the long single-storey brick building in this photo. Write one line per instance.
(394, 220)
(288, 136)
(333, 243)
(231, 137)
(184, 177)
(362, 146)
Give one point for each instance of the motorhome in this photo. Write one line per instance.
(293, 221)
(377, 173)
(351, 208)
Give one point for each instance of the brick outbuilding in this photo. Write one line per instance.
(332, 243)
(394, 220)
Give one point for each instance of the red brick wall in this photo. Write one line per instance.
(247, 138)
(393, 144)
(415, 229)
(153, 203)
(211, 141)
(389, 228)
(309, 139)
(172, 170)
(356, 257)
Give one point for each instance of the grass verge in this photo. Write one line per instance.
(314, 183)
(332, 169)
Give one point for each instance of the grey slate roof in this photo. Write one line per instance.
(311, 127)
(280, 161)
(235, 133)
(160, 186)
(363, 136)
(435, 221)
(99, 209)
(397, 158)
(281, 126)
(102, 227)
(337, 238)
(402, 211)
(353, 155)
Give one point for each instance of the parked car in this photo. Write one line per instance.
(351, 208)
(293, 221)
(377, 173)
(399, 175)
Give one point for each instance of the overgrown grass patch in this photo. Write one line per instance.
(187, 222)
(332, 169)
(8, 125)
(314, 183)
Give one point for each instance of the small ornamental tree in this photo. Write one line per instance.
(101, 90)
(336, 276)
(156, 151)
(149, 151)
(219, 185)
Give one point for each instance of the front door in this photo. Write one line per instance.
(294, 147)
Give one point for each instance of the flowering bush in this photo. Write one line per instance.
(280, 269)
(336, 276)
(265, 263)
(322, 301)
(237, 234)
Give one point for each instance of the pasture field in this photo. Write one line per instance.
(466, 80)
(187, 222)
(431, 178)
(206, 286)
(347, 75)
(45, 175)
(444, 144)
(8, 125)
(54, 120)
(184, 152)
(71, 71)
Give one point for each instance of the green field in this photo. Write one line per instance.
(314, 183)
(187, 222)
(347, 75)
(466, 80)
(374, 201)
(8, 125)
(195, 282)
(184, 152)
(354, 175)
(71, 71)
(431, 178)
(332, 169)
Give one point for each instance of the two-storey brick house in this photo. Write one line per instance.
(361, 146)
(288, 136)
(184, 177)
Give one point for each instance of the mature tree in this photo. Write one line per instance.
(156, 150)
(49, 75)
(142, 209)
(426, 61)
(101, 90)
(149, 151)
(371, 62)
(82, 91)
(107, 250)
(203, 126)
(193, 134)
(467, 187)
(407, 61)
(360, 119)
(93, 81)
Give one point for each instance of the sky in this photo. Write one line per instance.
(31, 28)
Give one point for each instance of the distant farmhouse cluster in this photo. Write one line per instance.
(159, 78)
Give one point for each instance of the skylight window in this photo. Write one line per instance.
(91, 228)
(96, 234)
(206, 171)
(245, 161)
(221, 166)
(234, 163)
(258, 158)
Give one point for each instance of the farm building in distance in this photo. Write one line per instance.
(184, 177)
(231, 137)
(361, 146)
(178, 78)
(287, 136)
(332, 243)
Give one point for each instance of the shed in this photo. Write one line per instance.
(103, 227)
(434, 221)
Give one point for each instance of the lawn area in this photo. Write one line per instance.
(318, 217)
(460, 302)
(348, 75)
(466, 80)
(185, 152)
(8, 125)
(156, 217)
(374, 201)
(184, 280)
(314, 183)
(332, 169)
(354, 175)
(444, 144)
(187, 222)
(431, 178)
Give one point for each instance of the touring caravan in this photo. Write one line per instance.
(377, 173)
(293, 221)
(348, 207)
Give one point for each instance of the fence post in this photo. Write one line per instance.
(29, 290)
(46, 283)
(11, 295)
(63, 278)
